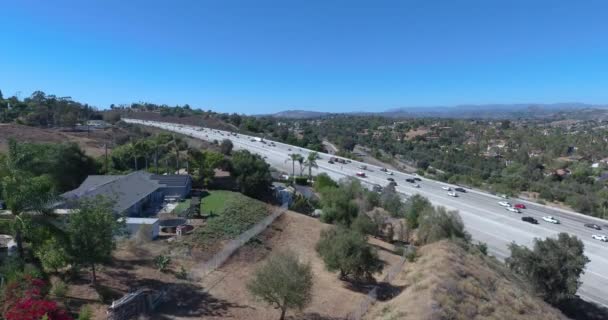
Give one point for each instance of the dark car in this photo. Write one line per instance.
(410, 180)
(459, 189)
(593, 226)
(417, 179)
(392, 183)
(390, 179)
(529, 220)
(330, 162)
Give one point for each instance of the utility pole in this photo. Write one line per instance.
(105, 146)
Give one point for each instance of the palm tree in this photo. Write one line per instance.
(293, 158)
(311, 162)
(301, 162)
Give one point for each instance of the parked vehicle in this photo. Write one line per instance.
(383, 169)
(417, 179)
(330, 162)
(600, 237)
(446, 188)
(361, 174)
(453, 194)
(363, 167)
(520, 206)
(529, 220)
(459, 189)
(390, 179)
(410, 180)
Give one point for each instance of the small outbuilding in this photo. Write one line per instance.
(150, 225)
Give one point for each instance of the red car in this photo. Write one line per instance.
(520, 206)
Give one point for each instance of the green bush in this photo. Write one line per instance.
(85, 313)
(59, 289)
(303, 181)
(162, 262)
(411, 256)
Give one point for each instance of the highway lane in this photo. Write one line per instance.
(484, 218)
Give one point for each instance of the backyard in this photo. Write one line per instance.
(216, 201)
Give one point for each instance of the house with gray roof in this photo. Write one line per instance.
(133, 194)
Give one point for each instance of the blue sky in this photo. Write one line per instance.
(266, 56)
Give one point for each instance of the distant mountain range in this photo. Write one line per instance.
(484, 111)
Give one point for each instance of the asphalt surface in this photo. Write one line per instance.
(484, 218)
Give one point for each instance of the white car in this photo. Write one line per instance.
(551, 219)
(453, 194)
(600, 237)
(446, 188)
(504, 203)
(416, 186)
(513, 209)
(389, 173)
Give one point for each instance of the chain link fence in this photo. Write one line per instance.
(219, 258)
(372, 296)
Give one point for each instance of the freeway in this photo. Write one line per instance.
(484, 218)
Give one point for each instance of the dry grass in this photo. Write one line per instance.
(91, 142)
(332, 298)
(447, 282)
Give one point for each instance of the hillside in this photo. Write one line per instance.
(194, 120)
(91, 142)
(332, 298)
(446, 282)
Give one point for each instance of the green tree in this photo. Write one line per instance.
(92, 229)
(323, 181)
(365, 225)
(284, 282)
(338, 206)
(226, 146)
(311, 162)
(23, 192)
(348, 252)
(414, 206)
(439, 223)
(52, 255)
(553, 266)
(251, 172)
(205, 162)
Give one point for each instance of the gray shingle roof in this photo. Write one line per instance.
(124, 190)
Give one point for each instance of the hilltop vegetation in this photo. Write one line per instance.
(448, 282)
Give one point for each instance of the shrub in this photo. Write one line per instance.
(411, 256)
(59, 289)
(439, 223)
(182, 273)
(85, 313)
(303, 181)
(162, 262)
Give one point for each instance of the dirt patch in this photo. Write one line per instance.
(332, 298)
(411, 134)
(91, 142)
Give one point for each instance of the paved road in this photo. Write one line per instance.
(484, 218)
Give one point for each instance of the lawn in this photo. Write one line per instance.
(182, 207)
(216, 201)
